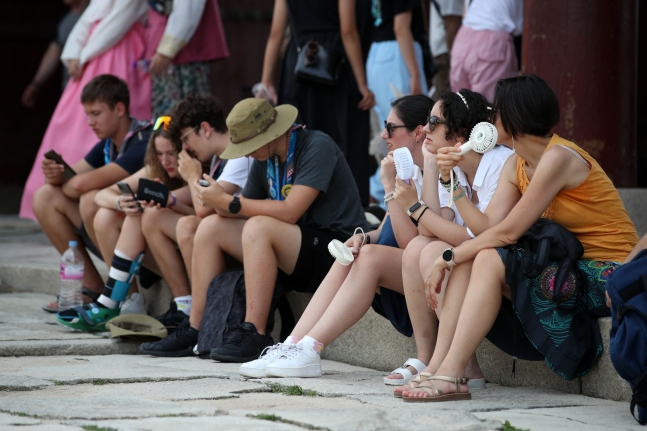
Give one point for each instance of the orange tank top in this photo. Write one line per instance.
(592, 211)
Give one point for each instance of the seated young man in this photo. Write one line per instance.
(64, 208)
(203, 117)
(299, 196)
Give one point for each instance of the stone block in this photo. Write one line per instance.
(635, 201)
(603, 381)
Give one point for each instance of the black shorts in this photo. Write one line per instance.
(314, 260)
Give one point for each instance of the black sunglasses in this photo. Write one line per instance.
(432, 121)
(390, 127)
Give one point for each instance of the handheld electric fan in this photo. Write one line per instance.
(482, 139)
(403, 163)
(340, 252)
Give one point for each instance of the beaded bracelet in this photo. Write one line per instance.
(388, 197)
(447, 186)
(459, 196)
(117, 206)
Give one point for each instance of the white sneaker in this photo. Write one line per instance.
(258, 367)
(134, 305)
(296, 362)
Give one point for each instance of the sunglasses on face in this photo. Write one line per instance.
(433, 121)
(390, 127)
(163, 120)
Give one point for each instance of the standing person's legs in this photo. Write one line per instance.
(58, 216)
(478, 305)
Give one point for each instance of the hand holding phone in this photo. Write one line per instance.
(68, 172)
(203, 183)
(125, 190)
(153, 191)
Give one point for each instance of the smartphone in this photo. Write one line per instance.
(125, 189)
(153, 191)
(53, 155)
(203, 183)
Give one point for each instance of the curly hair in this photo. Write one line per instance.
(153, 165)
(195, 109)
(459, 118)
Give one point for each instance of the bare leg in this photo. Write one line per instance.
(321, 299)
(58, 215)
(158, 226)
(88, 210)
(478, 306)
(107, 227)
(423, 318)
(376, 265)
(131, 241)
(185, 233)
(268, 244)
(215, 236)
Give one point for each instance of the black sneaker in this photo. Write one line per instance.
(246, 345)
(179, 343)
(172, 318)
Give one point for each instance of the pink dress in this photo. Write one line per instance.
(68, 133)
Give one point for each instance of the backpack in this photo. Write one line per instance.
(226, 307)
(564, 334)
(627, 288)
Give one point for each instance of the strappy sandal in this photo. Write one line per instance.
(413, 383)
(435, 395)
(87, 318)
(406, 374)
(52, 307)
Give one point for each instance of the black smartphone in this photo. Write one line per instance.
(53, 155)
(125, 189)
(203, 183)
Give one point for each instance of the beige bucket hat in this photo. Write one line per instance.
(253, 123)
(136, 327)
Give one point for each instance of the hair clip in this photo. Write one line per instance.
(464, 101)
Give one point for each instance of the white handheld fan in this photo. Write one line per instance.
(340, 252)
(482, 139)
(403, 163)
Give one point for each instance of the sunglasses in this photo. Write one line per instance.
(433, 121)
(163, 120)
(390, 127)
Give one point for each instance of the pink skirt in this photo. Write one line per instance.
(68, 132)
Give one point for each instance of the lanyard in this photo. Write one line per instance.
(107, 152)
(217, 166)
(279, 190)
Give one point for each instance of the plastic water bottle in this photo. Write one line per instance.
(71, 293)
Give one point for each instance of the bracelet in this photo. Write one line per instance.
(119, 210)
(388, 197)
(459, 196)
(447, 187)
(423, 211)
(367, 238)
(174, 200)
(443, 183)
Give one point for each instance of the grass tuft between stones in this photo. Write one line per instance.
(23, 414)
(99, 382)
(290, 390)
(264, 416)
(96, 428)
(508, 427)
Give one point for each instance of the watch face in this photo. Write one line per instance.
(234, 206)
(448, 255)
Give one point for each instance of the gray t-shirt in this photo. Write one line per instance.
(319, 164)
(65, 26)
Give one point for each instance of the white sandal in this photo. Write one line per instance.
(419, 366)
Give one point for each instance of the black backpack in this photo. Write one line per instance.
(226, 307)
(544, 242)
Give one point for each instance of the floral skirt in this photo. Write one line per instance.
(567, 335)
(170, 88)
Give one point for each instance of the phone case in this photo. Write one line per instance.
(153, 191)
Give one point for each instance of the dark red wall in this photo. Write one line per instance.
(587, 51)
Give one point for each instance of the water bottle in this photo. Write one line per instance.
(71, 293)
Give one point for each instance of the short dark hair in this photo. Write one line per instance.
(195, 109)
(413, 109)
(108, 89)
(461, 116)
(526, 105)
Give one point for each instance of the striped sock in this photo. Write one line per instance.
(119, 271)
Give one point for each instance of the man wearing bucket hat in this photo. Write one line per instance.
(299, 196)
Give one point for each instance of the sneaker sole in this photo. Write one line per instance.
(176, 354)
(252, 372)
(309, 371)
(234, 359)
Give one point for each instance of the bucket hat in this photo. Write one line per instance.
(253, 122)
(136, 327)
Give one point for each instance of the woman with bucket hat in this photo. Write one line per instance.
(300, 195)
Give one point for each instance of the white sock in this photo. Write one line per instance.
(184, 304)
(308, 342)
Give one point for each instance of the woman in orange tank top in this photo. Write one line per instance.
(551, 178)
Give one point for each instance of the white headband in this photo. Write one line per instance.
(464, 101)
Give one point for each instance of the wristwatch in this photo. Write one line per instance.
(234, 205)
(414, 208)
(448, 256)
